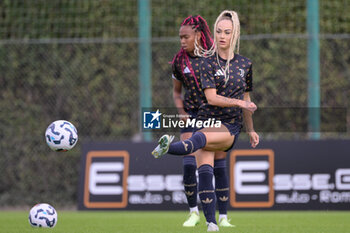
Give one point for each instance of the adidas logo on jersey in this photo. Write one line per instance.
(219, 73)
(224, 198)
(186, 70)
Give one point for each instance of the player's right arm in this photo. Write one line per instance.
(177, 88)
(177, 96)
(218, 100)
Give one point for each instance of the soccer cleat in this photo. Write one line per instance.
(225, 223)
(193, 220)
(212, 227)
(163, 146)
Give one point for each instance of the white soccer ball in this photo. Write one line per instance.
(43, 215)
(61, 135)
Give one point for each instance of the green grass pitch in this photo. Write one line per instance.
(171, 221)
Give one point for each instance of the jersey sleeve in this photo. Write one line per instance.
(249, 79)
(175, 71)
(206, 74)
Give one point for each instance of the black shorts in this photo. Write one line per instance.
(234, 129)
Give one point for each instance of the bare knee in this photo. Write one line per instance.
(218, 141)
(220, 155)
(205, 157)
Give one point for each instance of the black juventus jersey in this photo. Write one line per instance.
(194, 96)
(240, 81)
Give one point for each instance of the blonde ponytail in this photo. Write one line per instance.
(234, 42)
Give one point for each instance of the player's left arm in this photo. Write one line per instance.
(248, 123)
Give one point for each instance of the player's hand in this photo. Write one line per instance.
(254, 138)
(250, 106)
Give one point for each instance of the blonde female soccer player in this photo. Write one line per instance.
(196, 39)
(226, 78)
